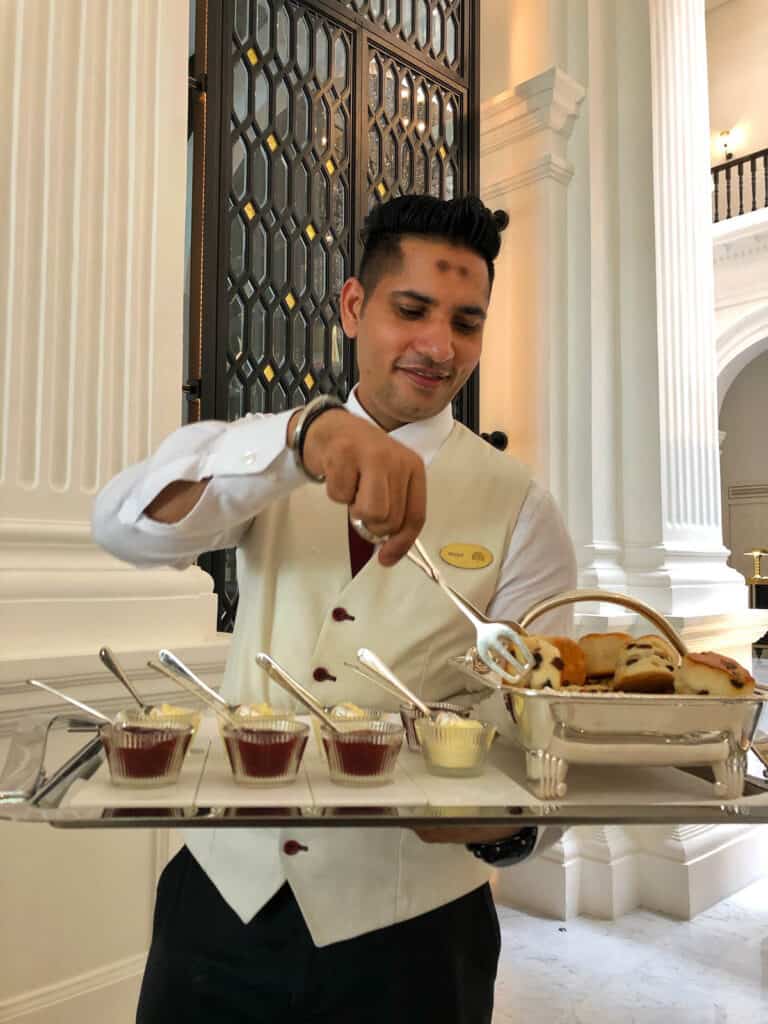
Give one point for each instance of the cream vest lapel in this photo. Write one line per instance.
(293, 571)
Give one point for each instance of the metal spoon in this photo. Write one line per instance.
(174, 668)
(387, 676)
(282, 678)
(70, 700)
(115, 668)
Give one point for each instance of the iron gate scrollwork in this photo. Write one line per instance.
(313, 113)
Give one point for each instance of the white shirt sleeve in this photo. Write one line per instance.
(540, 562)
(248, 465)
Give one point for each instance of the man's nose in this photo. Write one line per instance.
(435, 341)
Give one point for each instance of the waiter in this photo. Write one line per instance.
(346, 925)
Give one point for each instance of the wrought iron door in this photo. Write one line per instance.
(311, 113)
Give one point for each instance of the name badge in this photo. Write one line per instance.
(466, 556)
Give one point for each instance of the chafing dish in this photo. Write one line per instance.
(558, 728)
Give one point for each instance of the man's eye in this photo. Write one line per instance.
(410, 313)
(464, 327)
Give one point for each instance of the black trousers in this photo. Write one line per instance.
(205, 965)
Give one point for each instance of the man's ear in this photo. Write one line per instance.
(351, 303)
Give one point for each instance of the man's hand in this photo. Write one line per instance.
(383, 482)
(459, 834)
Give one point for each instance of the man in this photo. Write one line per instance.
(349, 924)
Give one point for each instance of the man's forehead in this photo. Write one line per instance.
(442, 259)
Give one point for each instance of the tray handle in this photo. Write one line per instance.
(577, 596)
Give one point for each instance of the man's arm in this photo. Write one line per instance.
(207, 481)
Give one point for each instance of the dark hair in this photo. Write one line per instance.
(466, 222)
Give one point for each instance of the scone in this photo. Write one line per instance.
(574, 660)
(602, 651)
(713, 674)
(547, 672)
(646, 665)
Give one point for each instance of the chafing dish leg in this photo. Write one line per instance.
(729, 775)
(547, 773)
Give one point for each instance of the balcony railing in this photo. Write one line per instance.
(740, 186)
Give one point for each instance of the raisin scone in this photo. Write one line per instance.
(646, 665)
(574, 671)
(547, 672)
(602, 651)
(713, 674)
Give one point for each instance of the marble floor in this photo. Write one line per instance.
(642, 969)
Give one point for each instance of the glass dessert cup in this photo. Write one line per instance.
(144, 751)
(452, 750)
(409, 714)
(364, 755)
(265, 750)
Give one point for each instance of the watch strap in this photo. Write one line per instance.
(505, 852)
(311, 411)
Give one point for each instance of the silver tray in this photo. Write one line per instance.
(558, 728)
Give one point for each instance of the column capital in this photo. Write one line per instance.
(549, 101)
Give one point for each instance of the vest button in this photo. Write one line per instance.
(292, 847)
(341, 615)
(321, 675)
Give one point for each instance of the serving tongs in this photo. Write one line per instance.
(174, 668)
(382, 675)
(288, 683)
(496, 643)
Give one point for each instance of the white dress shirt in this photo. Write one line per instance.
(249, 466)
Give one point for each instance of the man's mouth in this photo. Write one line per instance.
(423, 377)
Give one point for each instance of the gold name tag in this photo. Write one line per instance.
(466, 556)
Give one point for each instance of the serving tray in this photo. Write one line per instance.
(74, 791)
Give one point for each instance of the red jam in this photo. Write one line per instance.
(151, 759)
(360, 756)
(266, 755)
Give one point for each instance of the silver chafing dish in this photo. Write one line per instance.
(558, 728)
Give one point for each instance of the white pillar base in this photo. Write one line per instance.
(608, 872)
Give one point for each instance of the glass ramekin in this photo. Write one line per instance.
(164, 713)
(266, 750)
(145, 752)
(409, 714)
(364, 756)
(453, 751)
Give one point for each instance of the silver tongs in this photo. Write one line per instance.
(497, 642)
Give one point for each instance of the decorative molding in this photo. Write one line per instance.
(740, 238)
(608, 871)
(548, 102)
(747, 493)
(59, 992)
(547, 167)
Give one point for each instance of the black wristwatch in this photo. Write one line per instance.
(505, 852)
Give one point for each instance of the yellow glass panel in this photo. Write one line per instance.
(269, 373)
(442, 151)
(309, 380)
(330, 166)
(249, 210)
(252, 56)
(310, 232)
(290, 301)
(272, 142)
(381, 188)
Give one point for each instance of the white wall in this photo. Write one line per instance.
(744, 418)
(737, 51)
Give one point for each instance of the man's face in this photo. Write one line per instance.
(419, 333)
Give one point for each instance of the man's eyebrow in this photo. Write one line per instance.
(408, 293)
(427, 300)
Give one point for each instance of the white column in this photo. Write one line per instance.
(673, 551)
(525, 171)
(92, 249)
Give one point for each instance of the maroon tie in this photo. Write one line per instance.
(360, 550)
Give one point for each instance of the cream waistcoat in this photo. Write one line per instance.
(293, 570)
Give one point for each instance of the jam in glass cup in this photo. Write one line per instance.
(266, 750)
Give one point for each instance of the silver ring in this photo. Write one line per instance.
(365, 533)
